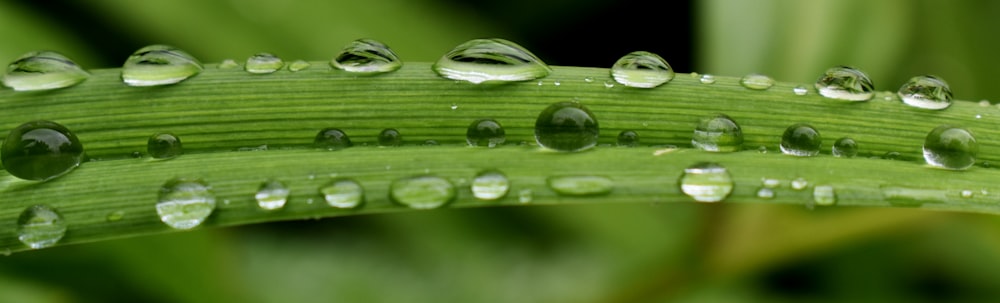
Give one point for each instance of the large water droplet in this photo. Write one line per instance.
(490, 185)
(41, 150)
(272, 195)
(824, 195)
(343, 193)
(845, 83)
(486, 132)
(706, 182)
(628, 138)
(951, 148)
(185, 203)
(845, 147)
(801, 140)
(390, 137)
(263, 63)
(422, 192)
(164, 146)
(366, 56)
(642, 69)
(566, 126)
(718, 133)
(490, 60)
(40, 226)
(757, 81)
(43, 70)
(581, 185)
(332, 139)
(927, 92)
(159, 65)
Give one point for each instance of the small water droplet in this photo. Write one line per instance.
(800, 90)
(706, 182)
(566, 127)
(40, 226)
(984, 103)
(588, 79)
(272, 194)
(950, 148)
(927, 92)
(366, 56)
(454, 106)
(43, 70)
(966, 193)
(762, 149)
(581, 185)
(390, 137)
(430, 142)
(770, 183)
(490, 60)
(757, 81)
(824, 195)
(159, 65)
(891, 155)
(628, 138)
(115, 216)
(718, 133)
(490, 185)
(485, 132)
(845, 83)
(228, 64)
(343, 193)
(845, 147)
(298, 65)
(540, 82)
(801, 140)
(164, 146)
(263, 63)
(642, 69)
(422, 192)
(40, 150)
(979, 116)
(525, 196)
(609, 84)
(800, 183)
(185, 203)
(707, 79)
(332, 139)
(765, 193)
(556, 83)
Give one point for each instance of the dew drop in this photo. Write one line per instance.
(800, 183)
(525, 196)
(366, 56)
(422, 192)
(609, 84)
(454, 106)
(581, 185)
(845, 147)
(272, 194)
(628, 138)
(490, 60)
(228, 64)
(40, 150)
(845, 83)
(984, 103)
(343, 193)
(927, 92)
(298, 65)
(485, 132)
(718, 133)
(185, 203)
(115, 216)
(431, 142)
(824, 195)
(156, 65)
(801, 140)
(706, 182)
(966, 194)
(950, 148)
(765, 193)
(263, 63)
(164, 146)
(566, 127)
(43, 70)
(800, 90)
(332, 139)
(707, 79)
(642, 69)
(490, 185)
(588, 79)
(556, 83)
(40, 226)
(757, 81)
(770, 183)
(390, 137)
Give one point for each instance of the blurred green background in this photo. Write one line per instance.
(594, 253)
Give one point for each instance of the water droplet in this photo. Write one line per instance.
(707, 79)
(765, 193)
(824, 195)
(390, 137)
(706, 182)
(540, 82)
(718, 133)
(332, 139)
(159, 65)
(43, 70)
(422, 192)
(486, 132)
(263, 63)
(762, 149)
(628, 138)
(272, 194)
(845, 147)
(185, 203)
(588, 79)
(581, 185)
(984, 103)
(979, 116)
(164, 146)
(891, 155)
(454, 106)
(801, 140)
(40, 226)
(115, 216)
(927, 92)
(228, 64)
(343, 193)
(490, 60)
(770, 183)
(845, 83)
(556, 83)
(525, 196)
(800, 183)
(431, 142)
(642, 69)
(567, 127)
(800, 90)
(609, 84)
(966, 193)
(366, 56)
(948, 147)
(41, 150)
(490, 185)
(298, 65)
(757, 81)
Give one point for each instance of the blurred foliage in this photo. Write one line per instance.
(594, 253)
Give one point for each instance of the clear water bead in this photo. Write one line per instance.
(707, 79)
(263, 63)
(40, 226)
(801, 140)
(718, 133)
(422, 192)
(756, 81)
(156, 65)
(824, 195)
(845, 83)
(43, 70)
(164, 146)
(950, 148)
(706, 182)
(490, 60)
(765, 193)
(228, 64)
(272, 194)
(927, 92)
(40, 150)
(800, 90)
(298, 65)
(799, 183)
(567, 127)
(581, 185)
(642, 69)
(845, 147)
(343, 193)
(185, 203)
(366, 56)
(332, 139)
(390, 137)
(490, 185)
(485, 132)
(628, 138)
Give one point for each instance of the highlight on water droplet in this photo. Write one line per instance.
(263, 63)
(390, 137)
(927, 92)
(824, 195)
(43, 70)
(707, 79)
(332, 139)
(228, 64)
(757, 81)
(40, 226)
(272, 195)
(566, 127)
(718, 133)
(801, 140)
(185, 203)
(706, 182)
(343, 193)
(490, 185)
(581, 185)
(164, 146)
(845, 83)
(485, 132)
(366, 56)
(422, 192)
(40, 150)
(845, 147)
(628, 138)
(950, 148)
(298, 65)
(490, 60)
(642, 69)
(156, 65)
